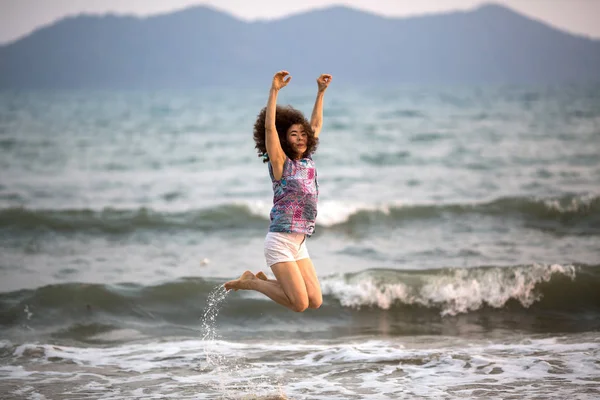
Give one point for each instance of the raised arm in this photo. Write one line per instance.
(274, 150)
(316, 119)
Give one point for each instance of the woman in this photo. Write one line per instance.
(286, 140)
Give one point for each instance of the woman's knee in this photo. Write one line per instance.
(298, 298)
(315, 301)
(300, 303)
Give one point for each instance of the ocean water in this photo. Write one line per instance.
(457, 244)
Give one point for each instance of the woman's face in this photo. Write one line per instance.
(297, 138)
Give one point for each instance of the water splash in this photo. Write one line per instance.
(209, 325)
(235, 378)
(28, 313)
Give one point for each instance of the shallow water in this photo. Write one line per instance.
(354, 368)
(456, 243)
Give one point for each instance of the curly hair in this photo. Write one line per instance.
(285, 116)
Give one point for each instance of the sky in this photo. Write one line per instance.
(20, 17)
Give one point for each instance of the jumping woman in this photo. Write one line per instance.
(286, 141)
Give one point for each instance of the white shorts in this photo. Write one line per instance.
(285, 247)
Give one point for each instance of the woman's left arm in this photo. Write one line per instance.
(316, 120)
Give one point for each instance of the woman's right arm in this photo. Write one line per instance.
(274, 150)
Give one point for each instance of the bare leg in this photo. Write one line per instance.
(271, 289)
(313, 288)
(288, 290)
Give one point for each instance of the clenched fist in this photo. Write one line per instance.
(279, 80)
(323, 81)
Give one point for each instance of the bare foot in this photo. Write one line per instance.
(261, 275)
(243, 282)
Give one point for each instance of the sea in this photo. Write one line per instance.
(457, 246)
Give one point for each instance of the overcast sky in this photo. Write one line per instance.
(19, 17)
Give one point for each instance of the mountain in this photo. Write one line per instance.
(200, 46)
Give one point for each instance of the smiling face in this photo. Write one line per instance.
(297, 139)
(295, 134)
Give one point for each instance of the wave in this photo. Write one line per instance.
(454, 291)
(568, 289)
(578, 215)
(110, 220)
(575, 214)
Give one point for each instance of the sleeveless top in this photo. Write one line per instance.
(295, 197)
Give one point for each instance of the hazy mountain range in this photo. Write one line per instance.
(200, 46)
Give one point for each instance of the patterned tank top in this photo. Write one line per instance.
(295, 197)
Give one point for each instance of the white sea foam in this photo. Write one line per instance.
(576, 204)
(454, 291)
(334, 212)
(408, 367)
